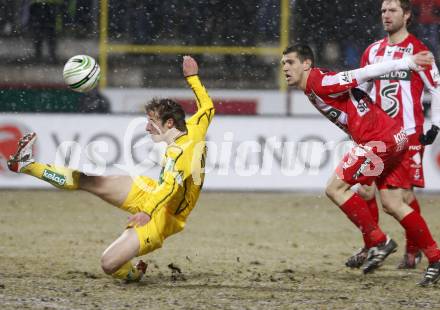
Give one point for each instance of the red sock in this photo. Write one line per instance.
(415, 205)
(416, 228)
(411, 246)
(372, 206)
(357, 211)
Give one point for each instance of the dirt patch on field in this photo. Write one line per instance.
(238, 251)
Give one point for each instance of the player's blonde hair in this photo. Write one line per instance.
(167, 108)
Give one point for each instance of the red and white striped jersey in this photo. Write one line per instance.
(335, 96)
(400, 93)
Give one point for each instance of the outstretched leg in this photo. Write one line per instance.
(113, 189)
(116, 259)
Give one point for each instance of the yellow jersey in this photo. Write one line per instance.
(183, 167)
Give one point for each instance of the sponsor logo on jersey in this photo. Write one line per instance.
(169, 165)
(362, 107)
(54, 177)
(404, 75)
(360, 104)
(390, 103)
(345, 77)
(405, 50)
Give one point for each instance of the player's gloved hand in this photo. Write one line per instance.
(429, 136)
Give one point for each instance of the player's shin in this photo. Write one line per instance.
(411, 246)
(357, 211)
(61, 177)
(418, 231)
(374, 210)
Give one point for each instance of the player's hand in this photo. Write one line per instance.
(189, 66)
(138, 219)
(421, 61)
(429, 137)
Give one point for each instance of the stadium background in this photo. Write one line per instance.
(139, 45)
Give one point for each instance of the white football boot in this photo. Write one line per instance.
(23, 156)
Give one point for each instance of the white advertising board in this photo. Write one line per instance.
(244, 153)
(268, 102)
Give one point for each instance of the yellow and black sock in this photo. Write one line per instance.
(61, 177)
(128, 272)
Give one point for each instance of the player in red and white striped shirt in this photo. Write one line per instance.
(381, 145)
(399, 94)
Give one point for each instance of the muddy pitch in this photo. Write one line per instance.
(238, 251)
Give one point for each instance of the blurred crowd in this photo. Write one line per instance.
(193, 22)
(338, 30)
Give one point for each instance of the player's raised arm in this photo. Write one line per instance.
(415, 62)
(339, 82)
(205, 107)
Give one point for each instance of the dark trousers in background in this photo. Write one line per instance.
(43, 27)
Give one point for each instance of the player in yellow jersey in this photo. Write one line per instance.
(159, 208)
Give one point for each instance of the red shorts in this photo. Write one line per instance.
(414, 161)
(365, 166)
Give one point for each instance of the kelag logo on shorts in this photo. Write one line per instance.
(54, 177)
(10, 133)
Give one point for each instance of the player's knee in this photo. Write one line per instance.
(108, 265)
(389, 206)
(408, 196)
(367, 193)
(99, 185)
(331, 191)
(92, 182)
(387, 210)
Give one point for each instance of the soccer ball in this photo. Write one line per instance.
(81, 73)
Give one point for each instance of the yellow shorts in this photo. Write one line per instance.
(162, 224)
